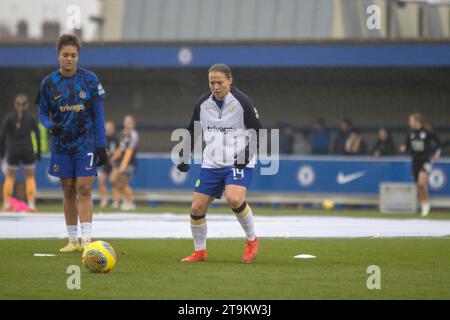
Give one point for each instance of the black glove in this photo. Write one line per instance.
(183, 167)
(101, 156)
(38, 156)
(56, 130)
(241, 166)
(246, 157)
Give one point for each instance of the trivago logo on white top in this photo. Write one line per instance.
(347, 178)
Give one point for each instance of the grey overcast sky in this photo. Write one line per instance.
(37, 11)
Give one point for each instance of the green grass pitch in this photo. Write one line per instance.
(411, 268)
(264, 211)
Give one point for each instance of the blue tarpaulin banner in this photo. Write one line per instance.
(303, 175)
(293, 55)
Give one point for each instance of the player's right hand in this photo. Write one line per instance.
(101, 156)
(183, 167)
(245, 155)
(56, 130)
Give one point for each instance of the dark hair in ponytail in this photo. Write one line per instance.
(20, 113)
(68, 39)
(221, 67)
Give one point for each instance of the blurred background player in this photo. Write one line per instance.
(126, 164)
(71, 107)
(16, 130)
(424, 146)
(112, 143)
(223, 107)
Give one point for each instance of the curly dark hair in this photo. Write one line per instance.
(68, 39)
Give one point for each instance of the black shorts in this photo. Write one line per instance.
(129, 170)
(420, 164)
(106, 169)
(16, 157)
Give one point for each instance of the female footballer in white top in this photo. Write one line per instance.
(224, 112)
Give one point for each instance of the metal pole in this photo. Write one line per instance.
(389, 19)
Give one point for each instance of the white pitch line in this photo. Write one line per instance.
(167, 225)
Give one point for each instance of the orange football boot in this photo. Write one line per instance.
(250, 252)
(197, 256)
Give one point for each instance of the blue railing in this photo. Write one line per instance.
(257, 55)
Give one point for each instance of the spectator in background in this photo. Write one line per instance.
(385, 144)
(286, 139)
(345, 129)
(355, 144)
(320, 137)
(301, 143)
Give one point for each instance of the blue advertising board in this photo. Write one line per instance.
(275, 55)
(304, 175)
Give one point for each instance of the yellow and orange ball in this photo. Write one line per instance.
(99, 256)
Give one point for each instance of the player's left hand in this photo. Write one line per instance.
(56, 130)
(241, 165)
(183, 167)
(101, 156)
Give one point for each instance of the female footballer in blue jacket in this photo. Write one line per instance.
(70, 103)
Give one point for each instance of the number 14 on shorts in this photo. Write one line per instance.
(238, 174)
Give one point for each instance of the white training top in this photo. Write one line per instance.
(226, 130)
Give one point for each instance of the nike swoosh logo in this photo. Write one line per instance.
(57, 97)
(344, 179)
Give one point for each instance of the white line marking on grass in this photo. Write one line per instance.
(305, 256)
(166, 225)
